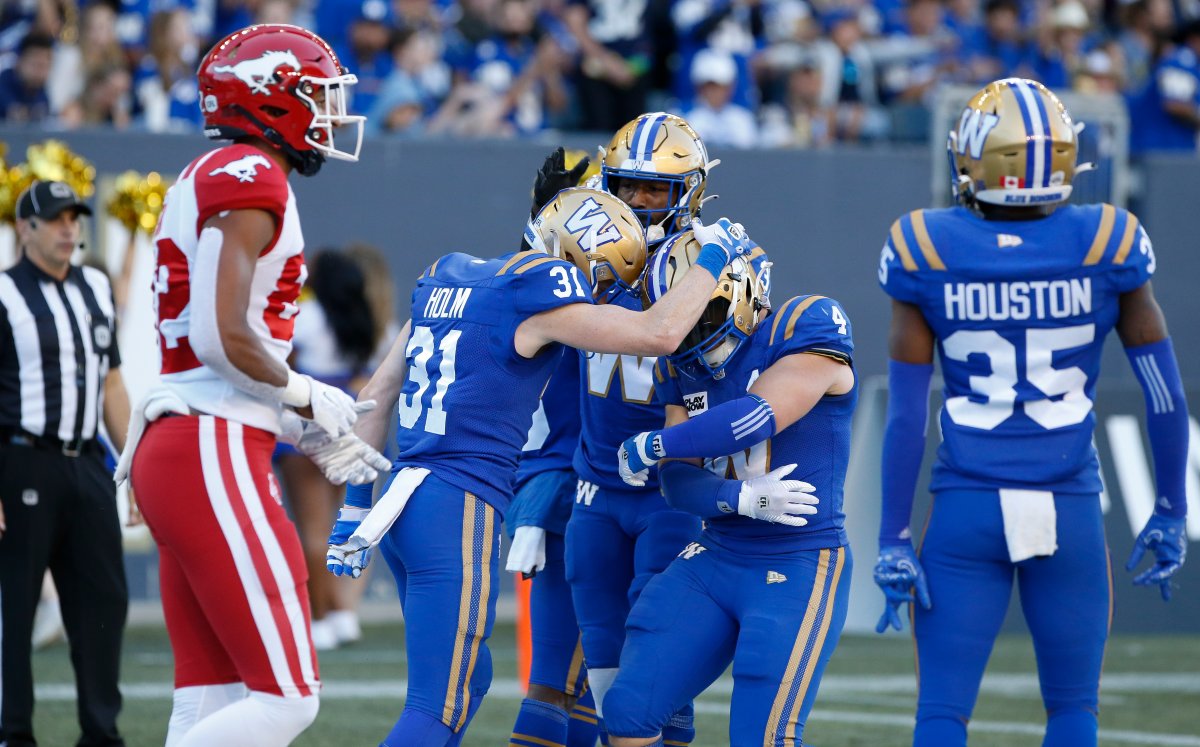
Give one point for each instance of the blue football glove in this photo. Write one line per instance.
(1167, 538)
(347, 555)
(898, 573)
(637, 455)
(730, 238)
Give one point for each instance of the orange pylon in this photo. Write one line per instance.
(524, 630)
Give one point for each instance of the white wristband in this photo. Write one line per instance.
(298, 392)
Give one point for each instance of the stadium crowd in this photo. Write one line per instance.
(776, 73)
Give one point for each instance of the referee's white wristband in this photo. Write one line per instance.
(298, 392)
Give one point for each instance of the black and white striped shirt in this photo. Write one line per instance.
(58, 340)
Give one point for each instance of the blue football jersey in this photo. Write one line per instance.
(617, 399)
(818, 443)
(554, 435)
(468, 401)
(1020, 310)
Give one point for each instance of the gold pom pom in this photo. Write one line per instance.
(51, 160)
(137, 200)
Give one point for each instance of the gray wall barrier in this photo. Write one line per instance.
(822, 216)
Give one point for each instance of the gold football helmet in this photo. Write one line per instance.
(733, 312)
(597, 233)
(660, 147)
(1015, 145)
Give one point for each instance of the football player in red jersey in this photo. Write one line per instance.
(230, 266)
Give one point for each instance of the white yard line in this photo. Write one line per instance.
(508, 689)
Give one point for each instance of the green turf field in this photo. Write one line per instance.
(1150, 695)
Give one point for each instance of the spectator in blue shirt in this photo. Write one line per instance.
(1063, 48)
(996, 50)
(1168, 111)
(399, 107)
(1145, 26)
(165, 89)
(733, 27)
(366, 52)
(23, 96)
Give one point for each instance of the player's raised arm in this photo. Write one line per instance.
(1143, 331)
(602, 237)
(657, 331)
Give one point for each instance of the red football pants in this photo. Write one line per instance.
(231, 570)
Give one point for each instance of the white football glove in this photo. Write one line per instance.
(344, 459)
(771, 498)
(637, 455)
(349, 558)
(527, 554)
(729, 237)
(332, 409)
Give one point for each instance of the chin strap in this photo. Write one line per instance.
(307, 162)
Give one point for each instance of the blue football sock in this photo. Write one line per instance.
(416, 729)
(940, 731)
(539, 723)
(681, 729)
(584, 726)
(1075, 727)
(472, 708)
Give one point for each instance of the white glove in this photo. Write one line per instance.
(345, 459)
(730, 238)
(771, 498)
(527, 555)
(332, 409)
(349, 558)
(637, 455)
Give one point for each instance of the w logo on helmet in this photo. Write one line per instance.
(260, 72)
(973, 130)
(595, 225)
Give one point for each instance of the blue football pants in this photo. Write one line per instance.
(615, 545)
(444, 551)
(777, 618)
(1066, 599)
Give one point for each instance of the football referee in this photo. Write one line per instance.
(58, 376)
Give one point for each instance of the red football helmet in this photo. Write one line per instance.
(281, 83)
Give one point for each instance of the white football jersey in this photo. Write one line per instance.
(235, 177)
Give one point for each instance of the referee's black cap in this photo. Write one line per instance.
(48, 200)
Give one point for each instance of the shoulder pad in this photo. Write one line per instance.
(522, 262)
(239, 177)
(812, 324)
(908, 231)
(1113, 238)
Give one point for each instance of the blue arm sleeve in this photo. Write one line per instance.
(360, 496)
(903, 446)
(726, 429)
(1166, 420)
(698, 491)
